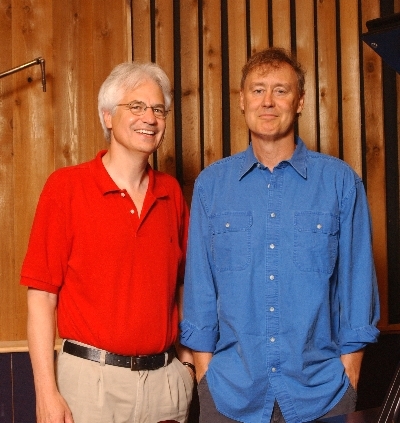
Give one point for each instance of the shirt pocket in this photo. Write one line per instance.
(315, 241)
(231, 240)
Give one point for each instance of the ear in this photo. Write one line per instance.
(301, 104)
(107, 118)
(241, 101)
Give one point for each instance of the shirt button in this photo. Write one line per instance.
(132, 211)
(269, 186)
(122, 194)
(272, 246)
(273, 215)
(273, 370)
(227, 225)
(271, 309)
(272, 339)
(272, 277)
(319, 226)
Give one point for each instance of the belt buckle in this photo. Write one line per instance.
(138, 363)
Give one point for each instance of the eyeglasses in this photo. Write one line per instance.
(139, 108)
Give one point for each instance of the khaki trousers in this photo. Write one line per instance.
(99, 393)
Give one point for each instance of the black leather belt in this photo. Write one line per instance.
(140, 362)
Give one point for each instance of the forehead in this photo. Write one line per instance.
(278, 73)
(147, 91)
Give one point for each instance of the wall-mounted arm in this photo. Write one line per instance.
(37, 61)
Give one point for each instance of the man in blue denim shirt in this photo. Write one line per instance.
(280, 290)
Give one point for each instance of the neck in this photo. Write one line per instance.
(127, 170)
(271, 153)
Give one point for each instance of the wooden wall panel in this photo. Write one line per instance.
(7, 256)
(350, 79)
(305, 47)
(141, 30)
(327, 77)
(73, 62)
(281, 28)
(239, 138)
(202, 46)
(212, 71)
(32, 135)
(164, 36)
(375, 153)
(190, 100)
(259, 39)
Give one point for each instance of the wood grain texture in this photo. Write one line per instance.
(258, 25)
(32, 137)
(281, 24)
(237, 58)
(212, 70)
(83, 40)
(8, 240)
(375, 154)
(327, 78)
(305, 48)
(190, 101)
(164, 28)
(350, 79)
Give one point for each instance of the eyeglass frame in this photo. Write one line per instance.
(128, 105)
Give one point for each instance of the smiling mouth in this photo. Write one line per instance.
(145, 131)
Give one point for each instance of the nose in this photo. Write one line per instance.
(149, 116)
(268, 100)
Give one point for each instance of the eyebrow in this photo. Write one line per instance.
(140, 101)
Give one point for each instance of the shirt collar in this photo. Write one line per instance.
(298, 160)
(107, 185)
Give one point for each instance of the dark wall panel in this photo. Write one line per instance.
(5, 389)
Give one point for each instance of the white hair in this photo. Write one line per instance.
(127, 76)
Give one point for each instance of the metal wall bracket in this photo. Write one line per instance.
(37, 61)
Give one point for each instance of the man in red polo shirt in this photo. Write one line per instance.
(106, 255)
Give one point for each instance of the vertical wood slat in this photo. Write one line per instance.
(375, 155)
(32, 137)
(141, 34)
(258, 26)
(190, 100)
(141, 30)
(328, 86)
(212, 93)
(237, 58)
(281, 24)
(164, 57)
(73, 105)
(112, 26)
(350, 77)
(305, 48)
(8, 241)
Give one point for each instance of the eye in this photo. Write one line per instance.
(258, 90)
(280, 91)
(159, 110)
(136, 107)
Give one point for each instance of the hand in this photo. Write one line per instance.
(53, 409)
(352, 366)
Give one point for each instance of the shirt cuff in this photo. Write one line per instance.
(40, 285)
(355, 339)
(203, 340)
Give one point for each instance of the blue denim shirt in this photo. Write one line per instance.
(279, 283)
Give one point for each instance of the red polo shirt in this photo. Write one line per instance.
(115, 273)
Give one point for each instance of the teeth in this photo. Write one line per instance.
(144, 131)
